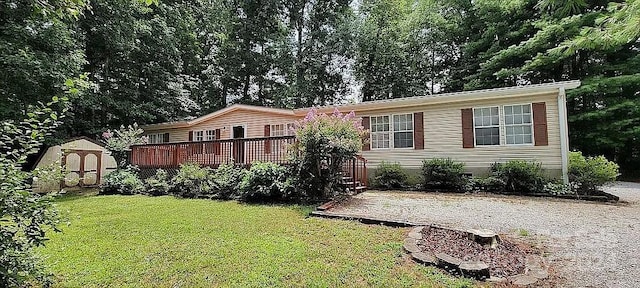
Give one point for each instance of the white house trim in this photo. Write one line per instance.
(564, 135)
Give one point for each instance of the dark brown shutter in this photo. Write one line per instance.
(540, 124)
(216, 145)
(467, 128)
(267, 143)
(190, 136)
(366, 146)
(165, 138)
(418, 130)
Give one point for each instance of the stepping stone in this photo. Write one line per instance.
(410, 245)
(523, 280)
(424, 258)
(475, 269)
(448, 262)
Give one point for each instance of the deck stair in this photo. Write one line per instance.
(353, 187)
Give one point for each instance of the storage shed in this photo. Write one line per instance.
(84, 161)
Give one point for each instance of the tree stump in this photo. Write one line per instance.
(475, 269)
(484, 237)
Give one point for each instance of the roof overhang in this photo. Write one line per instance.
(213, 115)
(496, 93)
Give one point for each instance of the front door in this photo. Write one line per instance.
(238, 145)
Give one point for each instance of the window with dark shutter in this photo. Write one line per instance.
(418, 130)
(467, 128)
(540, 132)
(267, 143)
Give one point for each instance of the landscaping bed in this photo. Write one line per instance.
(506, 259)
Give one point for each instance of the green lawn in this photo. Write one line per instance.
(141, 241)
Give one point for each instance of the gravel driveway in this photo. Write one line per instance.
(589, 244)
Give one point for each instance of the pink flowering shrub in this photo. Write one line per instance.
(324, 143)
(118, 142)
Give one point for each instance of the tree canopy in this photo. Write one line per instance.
(177, 58)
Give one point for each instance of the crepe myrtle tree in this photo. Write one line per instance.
(119, 142)
(324, 143)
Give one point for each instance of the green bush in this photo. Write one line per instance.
(158, 184)
(443, 174)
(265, 181)
(226, 181)
(486, 184)
(390, 176)
(122, 181)
(588, 174)
(519, 176)
(192, 181)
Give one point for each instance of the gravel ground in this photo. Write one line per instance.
(589, 244)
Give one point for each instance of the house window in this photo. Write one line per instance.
(486, 123)
(403, 131)
(518, 124)
(210, 135)
(380, 132)
(199, 136)
(278, 130)
(156, 138)
(153, 138)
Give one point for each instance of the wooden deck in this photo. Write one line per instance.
(241, 152)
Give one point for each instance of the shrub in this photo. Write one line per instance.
(265, 181)
(520, 176)
(556, 188)
(26, 218)
(192, 181)
(122, 181)
(443, 174)
(486, 184)
(226, 181)
(390, 176)
(324, 143)
(158, 184)
(588, 174)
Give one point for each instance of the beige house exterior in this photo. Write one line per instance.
(476, 127)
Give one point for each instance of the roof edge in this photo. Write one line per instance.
(454, 96)
(212, 115)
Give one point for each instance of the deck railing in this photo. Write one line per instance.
(241, 152)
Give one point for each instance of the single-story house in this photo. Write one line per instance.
(476, 127)
(84, 160)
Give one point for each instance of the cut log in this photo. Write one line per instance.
(523, 280)
(410, 245)
(424, 258)
(484, 237)
(475, 269)
(449, 263)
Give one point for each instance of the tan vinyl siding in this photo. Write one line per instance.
(254, 122)
(443, 137)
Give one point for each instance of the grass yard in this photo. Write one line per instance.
(141, 241)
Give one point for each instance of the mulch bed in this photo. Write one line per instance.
(507, 259)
